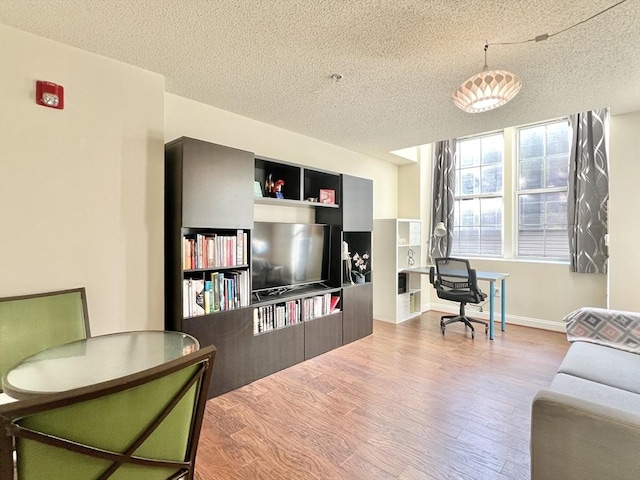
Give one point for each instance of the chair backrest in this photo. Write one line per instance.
(455, 274)
(32, 323)
(143, 426)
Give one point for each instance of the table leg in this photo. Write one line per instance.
(492, 292)
(503, 308)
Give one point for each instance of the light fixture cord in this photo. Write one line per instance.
(486, 47)
(545, 36)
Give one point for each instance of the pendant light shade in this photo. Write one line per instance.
(487, 90)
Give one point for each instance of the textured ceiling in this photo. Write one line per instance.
(271, 60)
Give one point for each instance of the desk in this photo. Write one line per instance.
(94, 360)
(490, 277)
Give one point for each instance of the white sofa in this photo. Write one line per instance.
(586, 425)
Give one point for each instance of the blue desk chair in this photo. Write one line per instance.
(455, 280)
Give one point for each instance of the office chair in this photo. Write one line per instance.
(32, 323)
(144, 426)
(455, 280)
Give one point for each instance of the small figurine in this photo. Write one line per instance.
(268, 185)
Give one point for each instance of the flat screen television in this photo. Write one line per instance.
(288, 255)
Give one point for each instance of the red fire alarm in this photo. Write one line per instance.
(49, 94)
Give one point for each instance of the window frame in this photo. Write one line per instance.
(459, 197)
(518, 192)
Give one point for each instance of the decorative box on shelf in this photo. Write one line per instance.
(327, 196)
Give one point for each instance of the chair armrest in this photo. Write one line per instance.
(575, 439)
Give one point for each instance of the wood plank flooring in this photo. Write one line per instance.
(404, 403)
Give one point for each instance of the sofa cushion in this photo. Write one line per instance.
(596, 393)
(605, 365)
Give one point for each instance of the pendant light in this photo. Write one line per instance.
(487, 90)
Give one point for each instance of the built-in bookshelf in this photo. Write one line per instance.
(210, 193)
(295, 184)
(216, 275)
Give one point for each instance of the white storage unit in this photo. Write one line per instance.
(397, 246)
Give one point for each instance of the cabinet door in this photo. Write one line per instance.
(217, 186)
(357, 204)
(231, 333)
(357, 312)
(322, 334)
(277, 349)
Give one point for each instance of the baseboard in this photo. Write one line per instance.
(556, 326)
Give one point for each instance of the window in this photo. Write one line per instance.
(543, 164)
(477, 226)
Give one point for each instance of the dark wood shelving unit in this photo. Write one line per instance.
(210, 188)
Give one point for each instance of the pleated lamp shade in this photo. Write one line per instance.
(487, 90)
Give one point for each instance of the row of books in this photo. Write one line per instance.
(214, 250)
(270, 317)
(225, 291)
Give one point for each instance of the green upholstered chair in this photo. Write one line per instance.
(32, 323)
(143, 426)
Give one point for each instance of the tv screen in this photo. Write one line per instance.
(288, 254)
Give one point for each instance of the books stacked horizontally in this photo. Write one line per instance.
(214, 250)
(225, 291)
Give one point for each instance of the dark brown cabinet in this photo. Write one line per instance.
(278, 349)
(357, 201)
(210, 192)
(208, 185)
(322, 334)
(357, 301)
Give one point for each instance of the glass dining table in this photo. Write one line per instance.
(94, 360)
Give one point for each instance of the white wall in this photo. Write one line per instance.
(81, 189)
(624, 213)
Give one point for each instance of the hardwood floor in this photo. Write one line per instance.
(404, 403)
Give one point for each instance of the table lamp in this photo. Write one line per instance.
(439, 231)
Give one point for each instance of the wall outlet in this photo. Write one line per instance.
(496, 292)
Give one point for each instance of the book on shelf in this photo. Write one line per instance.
(278, 315)
(193, 297)
(204, 250)
(333, 303)
(221, 291)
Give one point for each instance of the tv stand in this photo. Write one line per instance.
(209, 193)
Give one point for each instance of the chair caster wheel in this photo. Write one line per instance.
(473, 334)
(443, 328)
(486, 329)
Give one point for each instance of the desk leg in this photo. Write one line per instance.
(503, 308)
(492, 292)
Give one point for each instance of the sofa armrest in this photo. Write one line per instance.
(574, 439)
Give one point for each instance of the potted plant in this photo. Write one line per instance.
(359, 265)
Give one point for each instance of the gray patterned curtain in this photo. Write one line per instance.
(588, 192)
(443, 201)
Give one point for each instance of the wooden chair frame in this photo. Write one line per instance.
(11, 412)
